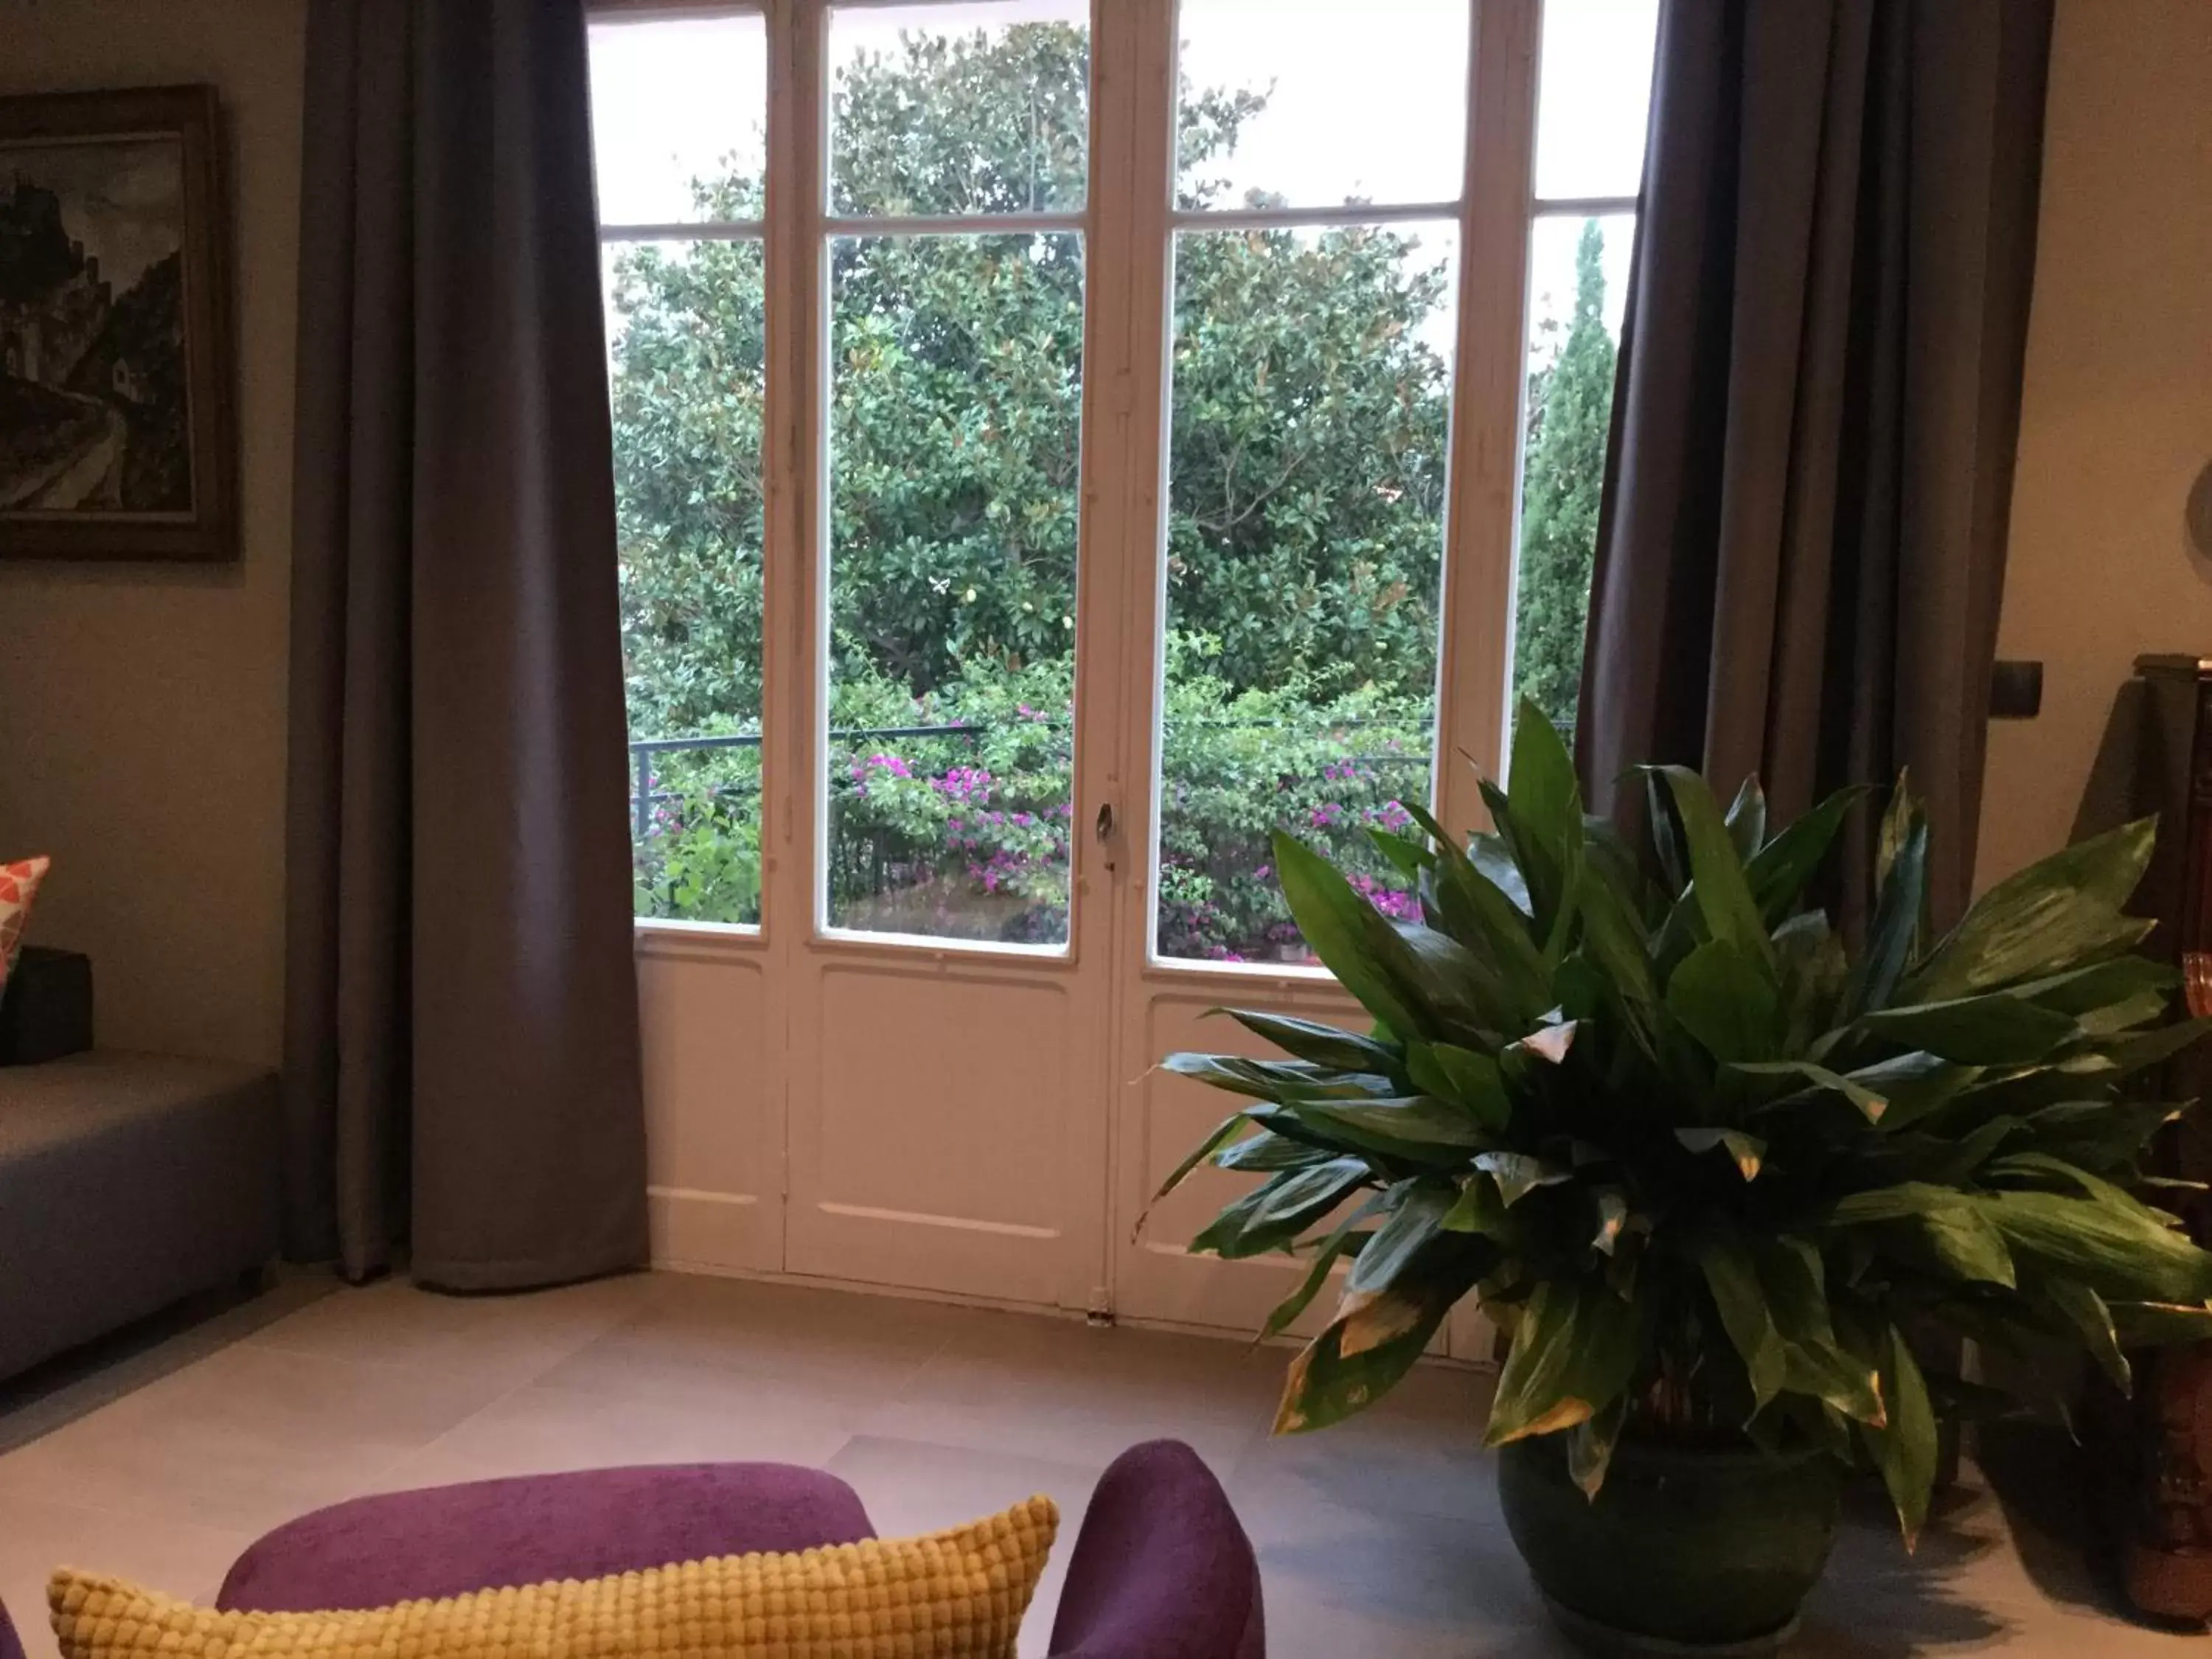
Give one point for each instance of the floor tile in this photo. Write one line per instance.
(506, 1340)
(1072, 1392)
(910, 1487)
(37, 1535)
(1340, 1580)
(1380, 1537)
(693, 1336)
(247, 1438)
(549, 1427)
(1417, 1450)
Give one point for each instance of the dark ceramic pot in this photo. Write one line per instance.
(1683, 1548)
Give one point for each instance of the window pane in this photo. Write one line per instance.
(979, 108)
(1594, 96)
(679, 120)
(1314, 103)
(686, 340)
(1578, 274)
(956, 398)
(1312, 395)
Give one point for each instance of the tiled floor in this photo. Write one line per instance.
(1381, 1538)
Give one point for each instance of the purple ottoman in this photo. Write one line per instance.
(1161, 1568)
(489, 1534)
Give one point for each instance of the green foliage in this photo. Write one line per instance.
(1569, 417)
(1303, 523)
(1707, 1171)
(1307, 458)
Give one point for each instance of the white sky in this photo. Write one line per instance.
(1368, 100)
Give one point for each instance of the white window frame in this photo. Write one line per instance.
(1124, 224)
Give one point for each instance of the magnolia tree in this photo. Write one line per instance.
(1306, 492)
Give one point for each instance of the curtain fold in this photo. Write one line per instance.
(1801, 544)
(462, 1062)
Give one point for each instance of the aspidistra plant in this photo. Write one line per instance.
(1715, 1175)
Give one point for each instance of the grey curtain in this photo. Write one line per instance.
(1802, 540)
(462, 1060)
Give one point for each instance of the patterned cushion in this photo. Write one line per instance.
(19, 885)
(954, 1594)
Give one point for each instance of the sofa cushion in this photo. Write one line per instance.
(19, 885)
(958, 1593)
(126, 1182)
(45, 1009)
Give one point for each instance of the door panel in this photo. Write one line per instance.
(714, 1101)
(933, 1157)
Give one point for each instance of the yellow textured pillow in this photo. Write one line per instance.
(954, 1594)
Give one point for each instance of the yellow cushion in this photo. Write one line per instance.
(954, 1594)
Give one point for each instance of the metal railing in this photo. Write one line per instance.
(645, 796)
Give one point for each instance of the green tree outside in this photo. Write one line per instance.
(1570, 415)
(1304, 526)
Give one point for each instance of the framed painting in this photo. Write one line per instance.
(116, 421)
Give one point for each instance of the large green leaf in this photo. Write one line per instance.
(1359, 945)
(1325, 1385)
(1548, 799)
(2141, 1052)
(1309, 1040)
(1590, 1444)
(1666, 842)
(2054, 914)
(1820, 1080)
(1938, 1227)
(1746, 819)
(1481, 1207)
(2107, 997)
(1277, 1079)
(1717, 880)
(1903, 1446)
(1205, 1148)
(2039, 1169)
(2085, 1311)
(1733, 1279)
(1777, 872)
(1412, 1126)
(1281, 1207)
(1728, 1000)
(1575, 1347)
(1519, 1174)
(2100, 1134)
(1991, 1029)
(1422, 1207)
(1794, 1280)
(2118, 1253)
(1913, 1085)
(1344, 1237)
(1347, 1367)
(1265, 1152)
(1895, 930)
(1466, 1078)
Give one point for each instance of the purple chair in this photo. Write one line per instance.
(1162, 1570)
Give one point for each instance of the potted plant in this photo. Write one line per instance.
(1716, 1176)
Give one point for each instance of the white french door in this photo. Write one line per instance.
(1037, 418)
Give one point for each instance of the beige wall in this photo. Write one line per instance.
(2116, 417)
(142, 709)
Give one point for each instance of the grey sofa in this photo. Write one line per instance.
(127, 1181)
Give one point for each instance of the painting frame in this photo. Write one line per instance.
(205, 529)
